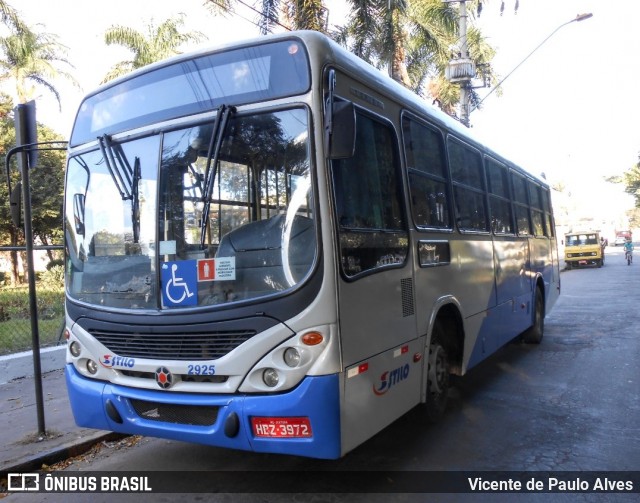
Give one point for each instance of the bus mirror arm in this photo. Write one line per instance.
(342, 142)
(339, 123)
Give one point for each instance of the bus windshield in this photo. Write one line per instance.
(188, 227)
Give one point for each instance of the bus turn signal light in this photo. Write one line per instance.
(312, 338)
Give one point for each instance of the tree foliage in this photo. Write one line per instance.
(304, 14)
(631, 181)
(10, 18)
(47, 186)
(414, 40)
(158, 43)
(32, 59)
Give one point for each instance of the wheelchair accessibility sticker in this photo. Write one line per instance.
(179, 283)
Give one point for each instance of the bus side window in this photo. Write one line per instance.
(537, 216)
(368, 201)
(548, 217)
(426, 164)
(499, 197)
(468, 186)
(521, 200)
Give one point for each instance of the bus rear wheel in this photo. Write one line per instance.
(437, 376)
(533, 335)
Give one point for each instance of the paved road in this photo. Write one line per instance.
(570, 404)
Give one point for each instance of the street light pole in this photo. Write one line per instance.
(579, 17)
(462, 69)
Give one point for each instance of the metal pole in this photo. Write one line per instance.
(464, 54)
(23, 163)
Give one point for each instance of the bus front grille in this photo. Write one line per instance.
(189, 346)
(197, 415)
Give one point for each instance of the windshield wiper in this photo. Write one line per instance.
(217, 135)
(125, 178)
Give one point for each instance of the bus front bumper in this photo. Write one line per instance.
(216, 419)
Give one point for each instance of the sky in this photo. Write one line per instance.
(569, 111)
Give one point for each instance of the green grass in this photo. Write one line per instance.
(15, 321)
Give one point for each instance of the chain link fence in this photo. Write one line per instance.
(15, 311)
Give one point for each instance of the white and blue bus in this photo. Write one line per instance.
(272, 246)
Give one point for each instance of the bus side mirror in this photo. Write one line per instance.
(15, 203)
(342, 140)
(78, 213)
(339, 123)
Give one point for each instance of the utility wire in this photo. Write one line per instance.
(250, 7)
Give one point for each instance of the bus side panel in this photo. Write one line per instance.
(512, 276)
(547, 266)
(554, 289)
(472, 279)
(373, 314)
(379, 390)
(469, 279)
(495, 328)
(514, 290)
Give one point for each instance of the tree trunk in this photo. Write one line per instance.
(15, 270)
(398, 70)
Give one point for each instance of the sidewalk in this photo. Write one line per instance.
(20, 448)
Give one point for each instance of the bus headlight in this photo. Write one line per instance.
(270, 377)
(92, 367)
(291, 361)
(75, 349)
(291, 357)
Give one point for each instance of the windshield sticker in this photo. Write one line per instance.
(167, 247)
(179, 283)
(206, 269)
(218, 269)
(225, 269)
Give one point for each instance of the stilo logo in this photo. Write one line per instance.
(113, 361)
(164, 378)
(391, 378)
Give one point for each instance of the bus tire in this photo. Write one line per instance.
(533, 335)
(438, 369)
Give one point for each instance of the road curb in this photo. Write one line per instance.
(61, 453)
(20, 365)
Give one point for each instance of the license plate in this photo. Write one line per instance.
(281, 427)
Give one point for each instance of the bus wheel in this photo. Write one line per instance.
(437, 376)
(533, 335)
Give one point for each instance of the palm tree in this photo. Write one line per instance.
(9, 17)
(30, 59)
(390, 33)
(413, 40)
(305, 14)
(288, 14)
(158, 43)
